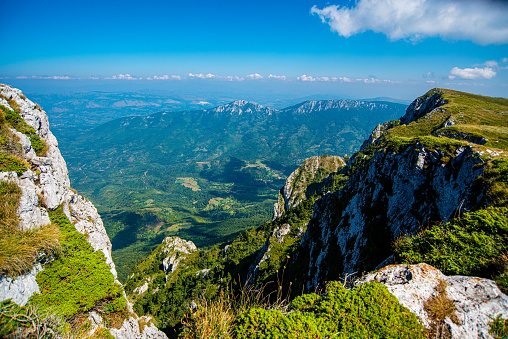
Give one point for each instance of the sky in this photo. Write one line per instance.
(362, 48)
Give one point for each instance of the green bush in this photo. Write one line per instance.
(10, 163)
(15, 120)
(472, 245)
(79, 279)
(368, 311)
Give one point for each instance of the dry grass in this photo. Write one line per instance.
(212, 319)
(438, 308)
(19, 249)
(215, 318)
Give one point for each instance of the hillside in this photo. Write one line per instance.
(205, 175)
(57, 276)
(429, 188)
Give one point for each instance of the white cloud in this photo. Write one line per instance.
(491, 63)
(483, 22)
(345, 79)
(54, 77)
(277, 77)
(165, 77)
(505, 59)
(233, 78)
(122, 77)
(202, 76)
(255, 76)
(311, 79)
(472, 73)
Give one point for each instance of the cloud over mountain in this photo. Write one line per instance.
(483, 22)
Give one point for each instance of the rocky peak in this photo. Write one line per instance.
(323, 105)
(240, 107)
(423, 105)
(175, 248)
(296, 189)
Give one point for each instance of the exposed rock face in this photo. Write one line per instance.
(296, 188)
(378, 132)
(131, 329)
(20, 289)
(422, 106)
(174, 247)
(46, 187)
(476, 300)
(393, 194)
(50, 181)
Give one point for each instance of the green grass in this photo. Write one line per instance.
(12, 163)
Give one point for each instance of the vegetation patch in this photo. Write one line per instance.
(14, 119)
(27, 322)
(499, 327)
(471, 245)
(368, 311)
(11, 163)
(79, 280)
(495, 177)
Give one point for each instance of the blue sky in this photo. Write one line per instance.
(372, 47)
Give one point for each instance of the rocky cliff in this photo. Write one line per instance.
(403, 179)
(45, 186)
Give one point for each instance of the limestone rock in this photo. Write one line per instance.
(476, 300)
(295, 189)
(174, 247)
(48, 187)
(393, 194)
(21, 288)
(422, 106)
(131, 330)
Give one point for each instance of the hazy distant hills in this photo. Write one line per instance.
(206, 174)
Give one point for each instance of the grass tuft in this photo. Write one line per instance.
(19, 249)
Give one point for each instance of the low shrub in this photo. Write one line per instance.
(27, 322)
(368, 311)
(499, 327)
(471, 245)
(11, 163)
(78, 280)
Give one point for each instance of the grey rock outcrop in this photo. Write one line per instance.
(423, 106)
(296, 188)
(393, 194)
(175, 248)
(21, 288)
(131, 329)
(477, 301)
